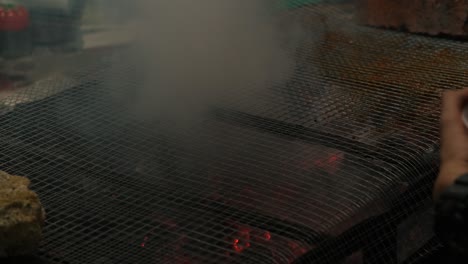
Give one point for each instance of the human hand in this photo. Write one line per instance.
(454, 140)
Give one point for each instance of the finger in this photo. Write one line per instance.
(452, 107)
(449, 172)
(453, 131)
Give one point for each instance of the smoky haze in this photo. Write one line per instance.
(195, 54)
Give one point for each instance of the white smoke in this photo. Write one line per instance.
(195, 54)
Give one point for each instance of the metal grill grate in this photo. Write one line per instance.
(334, 159)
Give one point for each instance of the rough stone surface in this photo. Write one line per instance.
(433, 17)
(21, 217)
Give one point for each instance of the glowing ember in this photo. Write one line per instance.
(145, 239)
(329, 164)
(242, 239)
(239, 245)
(296, 248)
(333, 159)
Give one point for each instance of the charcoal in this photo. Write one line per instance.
(21, 217)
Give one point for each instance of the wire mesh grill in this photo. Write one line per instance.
(260, 181)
